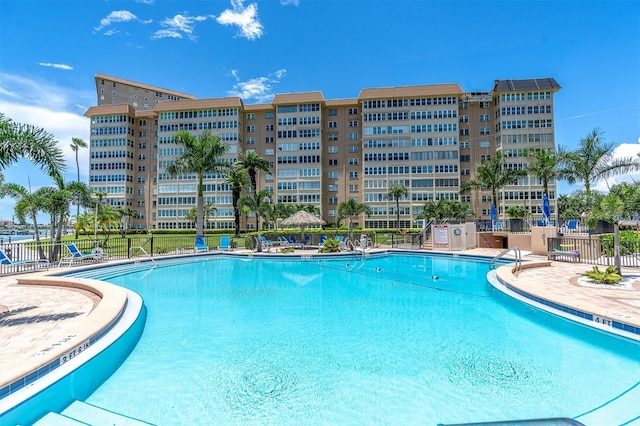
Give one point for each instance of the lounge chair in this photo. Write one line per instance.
(201, 245)
(322, 240)
(75, 255)
(343, 244)
(6, 262)
(295, 243)
(225, 243)
(284, 242)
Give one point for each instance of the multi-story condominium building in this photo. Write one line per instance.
(321, 151)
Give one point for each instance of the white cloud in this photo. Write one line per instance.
(52, 108)
(622, 151)
(246, 18)
(118, 16)
(290, 2)
(149, 2)
(259, 89)
(179, 26)
(57, 66)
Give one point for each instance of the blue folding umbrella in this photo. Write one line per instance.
(545, 208)
(494, 216)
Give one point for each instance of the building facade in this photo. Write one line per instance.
(321, 151)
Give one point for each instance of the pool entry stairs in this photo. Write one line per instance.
(81, 413)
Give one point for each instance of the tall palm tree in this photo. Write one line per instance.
(492, 175)
(203, 154)
(237, 179)
(593, 161)
(309, 208)
(352, 208)
(397, 191)
(543, 164)
(253, 163)
(24, 140)
(76, 144)
(260, 205)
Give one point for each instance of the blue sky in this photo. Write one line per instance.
(51, 50)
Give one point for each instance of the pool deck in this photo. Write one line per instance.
(34, 319)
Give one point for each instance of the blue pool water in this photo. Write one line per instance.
(392, 340)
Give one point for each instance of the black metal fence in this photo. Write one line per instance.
(598, 249)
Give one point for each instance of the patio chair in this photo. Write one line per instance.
(6, 262)
(322, 240)
(75, 255)
(343, 244)
(225, 243)
(499, 226)
(201, 245)
(572, 225)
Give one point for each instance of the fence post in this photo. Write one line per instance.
(151, 252)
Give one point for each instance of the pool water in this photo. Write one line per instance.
(392, 340)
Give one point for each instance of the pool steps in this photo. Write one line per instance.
(81, 413)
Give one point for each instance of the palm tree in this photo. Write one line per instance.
(593, 161)
(209, 208)
(492, 175)
(352, 208)
(260, 205)
(28, 204)
(309, 208)
(396, 191)
(543, 164)
(253, 163)
(76, 144)
(129, 214)
(237, 179)
(24, 140)
(202, 155)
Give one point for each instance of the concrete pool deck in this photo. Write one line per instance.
(36, 319)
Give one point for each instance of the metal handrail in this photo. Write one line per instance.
(145, 252)
(518, 257)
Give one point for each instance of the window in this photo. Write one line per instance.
(268, 127)
(332, 112)
(333, 162)
(270, 115)
(333, 124)
(251, 116)
(353, 175)
(333, 188)
(251, 128)
(354, 148)
(332, 137)
(353, 136)
(464, 132)
(332, 175)
(484, 117)
(353, 161)
(464, 118)
(333, 149)
(333, 200)
(251, 141)
(269, 151)
(353, 188)
(353, 123)
(485, 144)
(268, 139)
(464, 144)
(353, 111)
(485, 131)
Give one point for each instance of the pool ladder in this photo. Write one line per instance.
(517, 257)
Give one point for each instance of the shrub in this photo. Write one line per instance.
(331, 245)
(608, 276)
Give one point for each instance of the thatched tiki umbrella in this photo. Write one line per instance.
(302, 218)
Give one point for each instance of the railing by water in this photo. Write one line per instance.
(517, 257)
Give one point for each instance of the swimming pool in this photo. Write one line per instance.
(394, 339)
